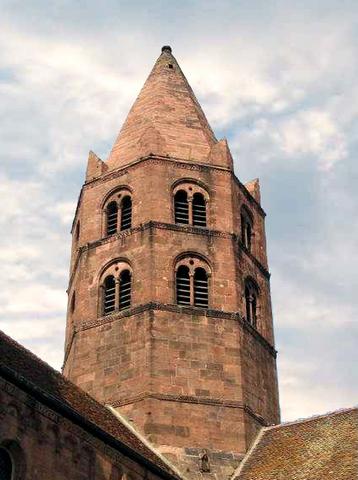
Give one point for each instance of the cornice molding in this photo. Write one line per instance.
(216, 402)
(179, 163)
(165, 226)
(169, 307)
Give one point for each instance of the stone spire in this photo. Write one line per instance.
(166, 119)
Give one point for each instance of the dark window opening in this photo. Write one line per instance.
(126, 217)
(77, 233)
(109, 300)
(125, 290)
(170, 65)
(73, 302)
(6, 467)
(251, 303)
(112, 218)
(246, 231)
(181, 207)
(201, 291)
(183, 285)
(199, 210)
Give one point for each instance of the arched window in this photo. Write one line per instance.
(115, 288)
(199, 210)
(191, 280)
(109, 295)
(124, 289)
(183, 285)
(117, 209)
(201, 292)
(246, 228)
(112, 218)
(181, 207)
(126, 213)
(190, 202)
(6, 466)
(251, 296)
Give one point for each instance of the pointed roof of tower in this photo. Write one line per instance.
(166, 119)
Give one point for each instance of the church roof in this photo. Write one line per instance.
(20, 366)
(166, 119)
(318, 448)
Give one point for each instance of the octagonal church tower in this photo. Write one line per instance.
(169, 313)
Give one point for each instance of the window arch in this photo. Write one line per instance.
(117, 211)
(192, 282)
(115, 288)
(6, 465)
(247, 224)
(251, 302)
(190, 204)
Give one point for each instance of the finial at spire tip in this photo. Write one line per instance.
(167, 48)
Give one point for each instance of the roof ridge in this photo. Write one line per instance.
(312, 418)
(143, 439)
(252, 448)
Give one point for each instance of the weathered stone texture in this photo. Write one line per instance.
(190, 379)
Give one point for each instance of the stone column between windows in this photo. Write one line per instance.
(119, 216)
(101, 301)
(190, 210)
(191, 279)
(116, 295)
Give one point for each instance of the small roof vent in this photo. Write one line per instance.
(167, 48)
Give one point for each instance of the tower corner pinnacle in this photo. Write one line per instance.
(95, 166)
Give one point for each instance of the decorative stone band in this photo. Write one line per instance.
(168, 307)
(167, 226)
(217, 402)
(179, 163)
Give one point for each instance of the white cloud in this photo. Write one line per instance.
(312, 133)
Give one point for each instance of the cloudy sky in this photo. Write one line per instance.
(277, 78)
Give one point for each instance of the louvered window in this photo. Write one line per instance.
(201, 292)
(112, 218)
(181, 207)
(125, 290)
(126, 214)
(183, 285)
(199, 210)
(109, 300)
(6, 467)
(251, 303)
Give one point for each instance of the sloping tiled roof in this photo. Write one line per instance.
(319, 448)
(23, 366)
